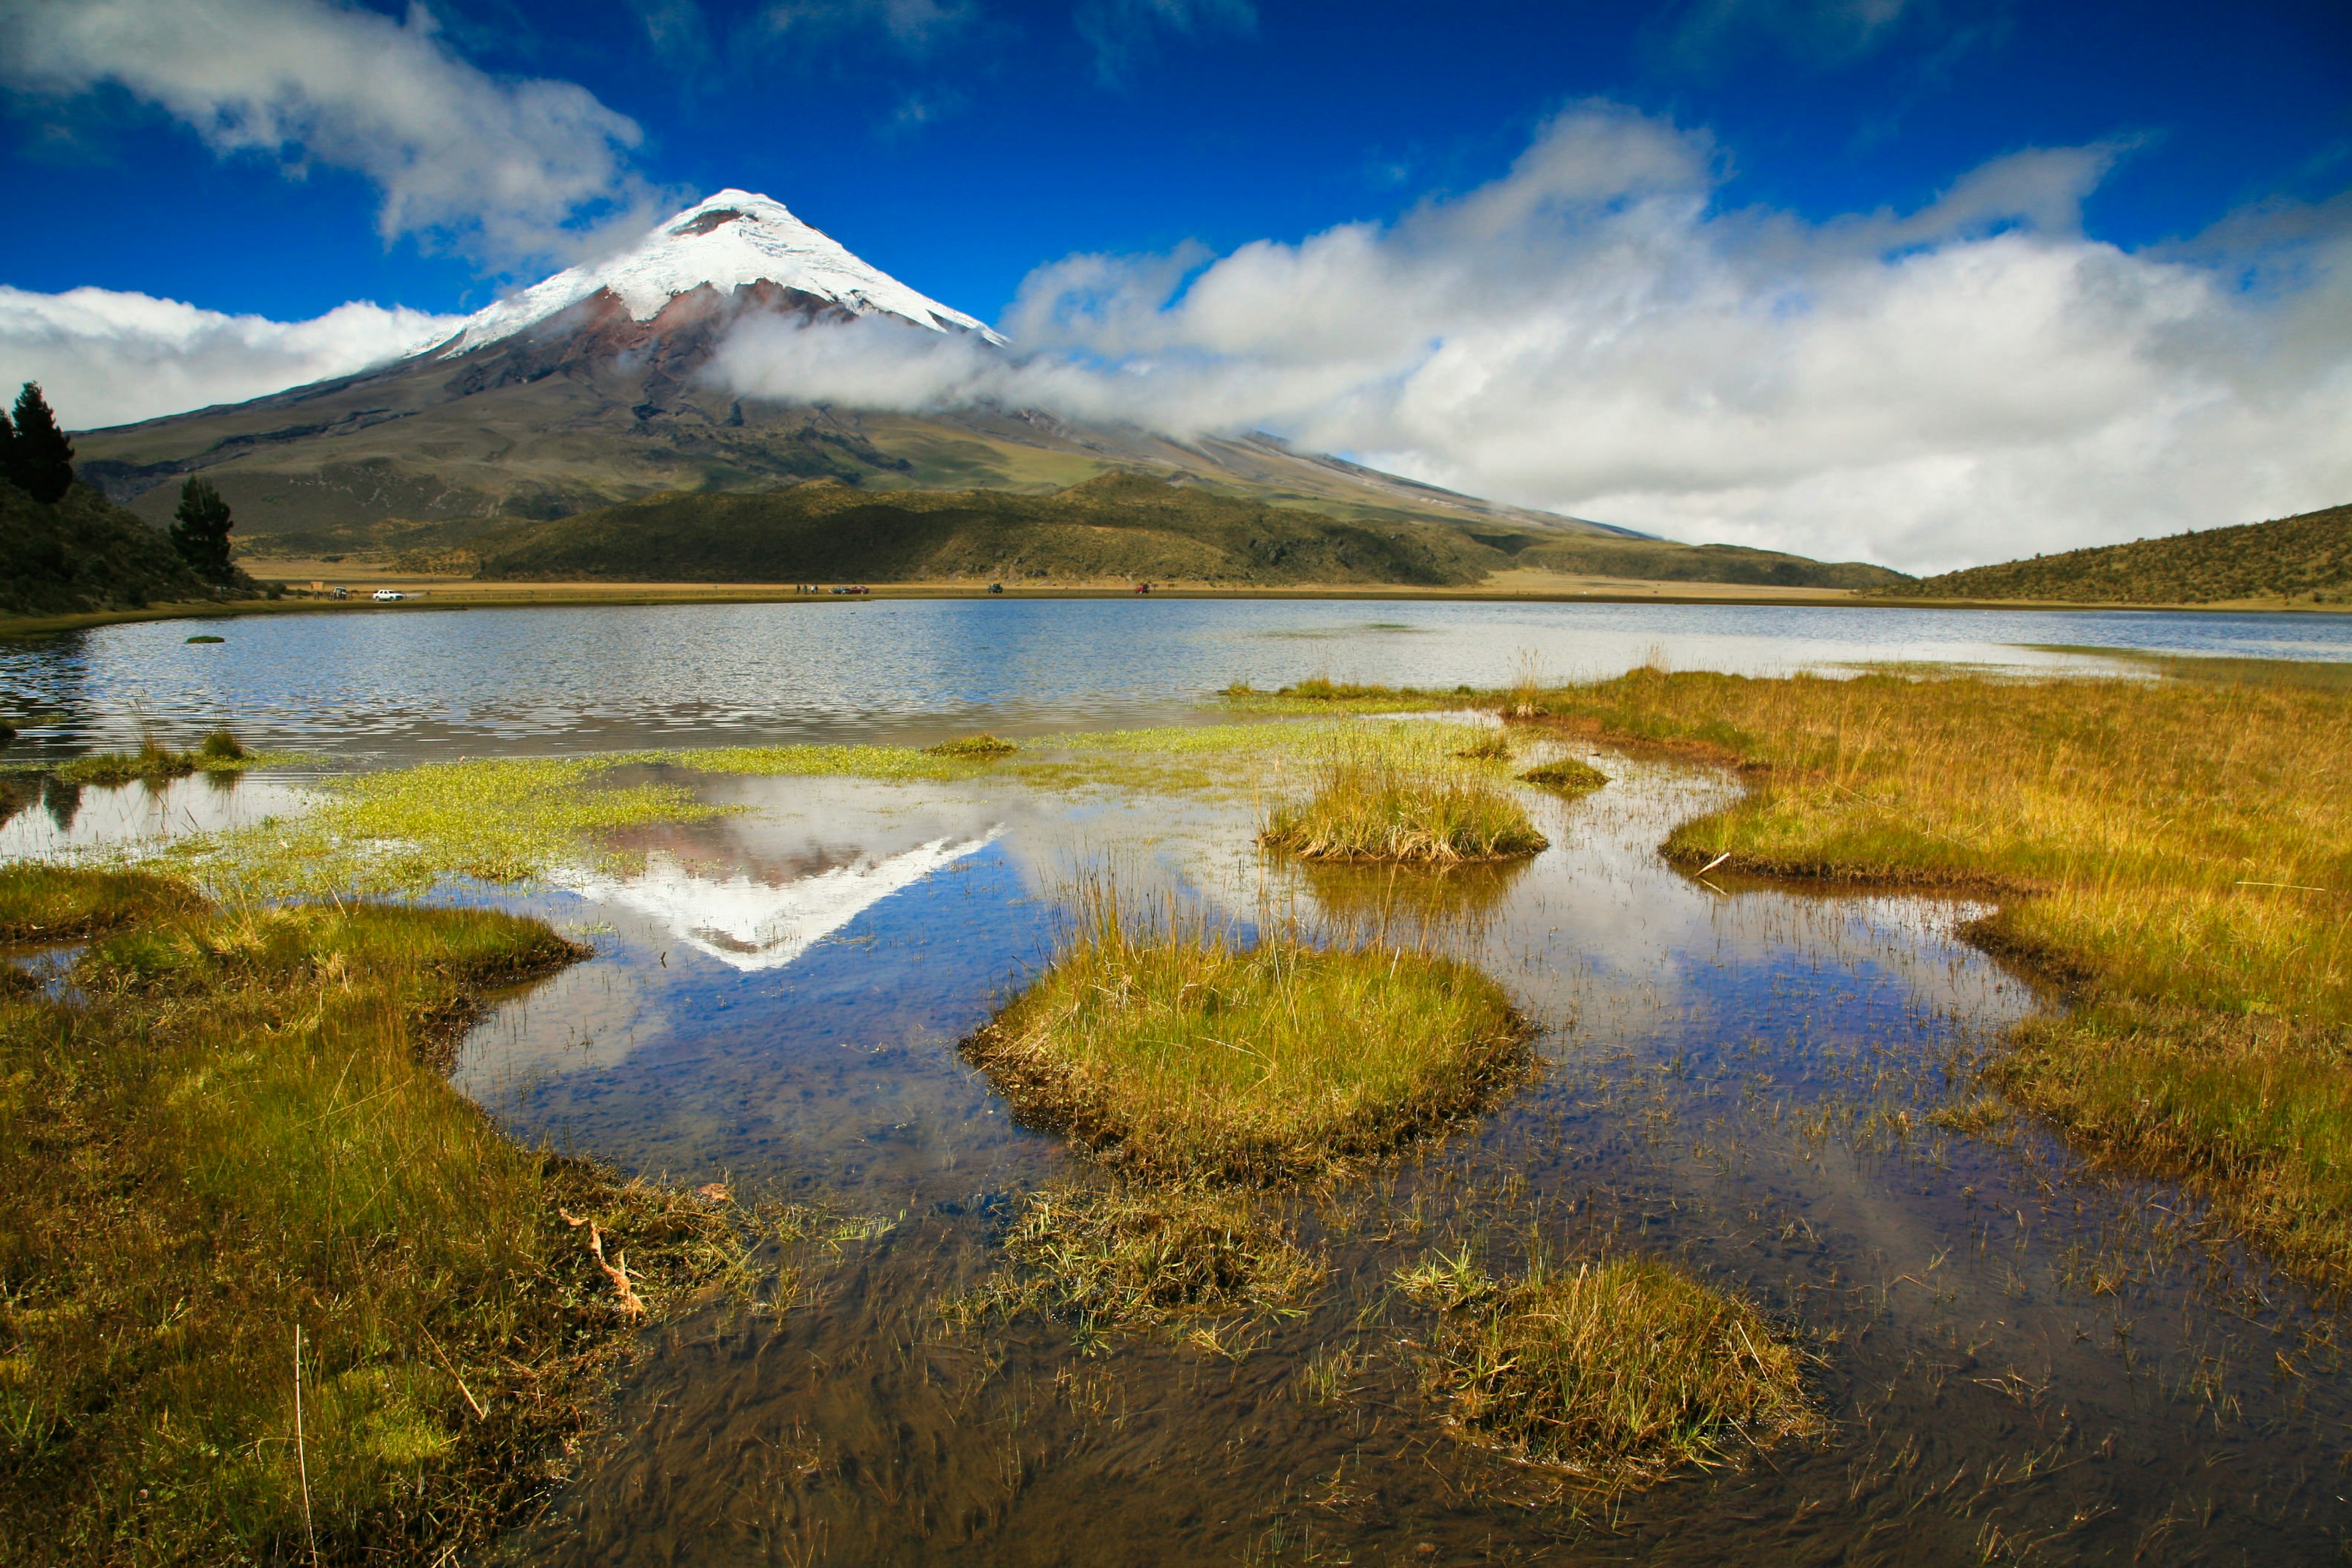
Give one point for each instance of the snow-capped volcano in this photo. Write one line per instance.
(731, 241)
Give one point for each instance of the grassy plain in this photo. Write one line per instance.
(231, 1130)
(2178, 850)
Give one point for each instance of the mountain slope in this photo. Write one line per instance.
(595, 389)
(2306, 558)
(1129, 526)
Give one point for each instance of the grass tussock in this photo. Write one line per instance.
(233, 1128)
(1137, 1258)
(1619, 1373)
(1492, 747)
(220, 752)
(1567, 775)
(1174, 1050)
(1368, 804)
(973, 747)
(2178, 850)
(42, 903)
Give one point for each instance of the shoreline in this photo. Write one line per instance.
(465, 593)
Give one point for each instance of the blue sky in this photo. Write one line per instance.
(1925, 281)
(960, 146)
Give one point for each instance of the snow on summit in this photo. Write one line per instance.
(728, 241)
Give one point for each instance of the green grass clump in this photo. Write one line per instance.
(1492, 747)
(974, 746)
(1620, 1373)
(2178, 850)
(1171, 1050)
(1567, 775)
(233, 1128)
(204, 637)
(1370, 805)
(1141, 1256)
(221, 745)
(42, 903)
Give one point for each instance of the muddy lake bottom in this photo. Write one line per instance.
(2019, 1360)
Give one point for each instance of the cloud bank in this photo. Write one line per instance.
(109, 358)
(1593, 334)
(505, 169)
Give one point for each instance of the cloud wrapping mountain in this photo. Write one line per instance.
(109, 358)
(1592, 334)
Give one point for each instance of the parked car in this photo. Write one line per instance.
(389, 595)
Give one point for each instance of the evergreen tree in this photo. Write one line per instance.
(7, 448)
(40, 457)
(200, 532)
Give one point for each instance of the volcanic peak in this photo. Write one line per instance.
(729, 241)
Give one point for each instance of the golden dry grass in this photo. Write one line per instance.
(2178, 850)
(1368, 802)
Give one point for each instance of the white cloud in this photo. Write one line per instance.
(1591, 333)
(508, 170)
(1119, 30)
(916, 28)
(107, 358)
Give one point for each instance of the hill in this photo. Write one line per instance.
(83, 553)
(2303, 559)
(1118, 525)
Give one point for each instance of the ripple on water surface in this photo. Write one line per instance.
(2018, 1360)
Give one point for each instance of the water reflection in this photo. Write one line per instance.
(143, 814)
(2017, 1353)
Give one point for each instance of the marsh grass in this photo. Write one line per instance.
(1366, 803)
(1175, 1049)
(40, 903)
(1140, 1257)
(1492, 747)
(234, 1126)
(1568, 776)
(973, 747)
(1618, 1372)
(2177, 850)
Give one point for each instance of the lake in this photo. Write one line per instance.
(2021, 1358)
(406, 685)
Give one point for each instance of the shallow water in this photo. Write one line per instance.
(401, 686)
(42, 818)
(2022, 1361)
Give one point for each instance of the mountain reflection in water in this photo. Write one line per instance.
(751, 922)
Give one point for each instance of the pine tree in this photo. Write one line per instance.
(200, 532)
(40, 457)
(7, 448)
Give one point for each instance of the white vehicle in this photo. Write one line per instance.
(388, 596)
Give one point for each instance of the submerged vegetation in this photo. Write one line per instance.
(1568, 776)
(2177, 850)
(1618, 1371)
(1366, 804)
(1137, 1257)
(974, 746)
(1175, 1049)
(271, 1288)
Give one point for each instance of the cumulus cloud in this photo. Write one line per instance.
(508, 170)
(1119, 30)
(109, 358)
(1593, 333)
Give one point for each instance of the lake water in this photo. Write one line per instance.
(404, 685)
(2021, 1359)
